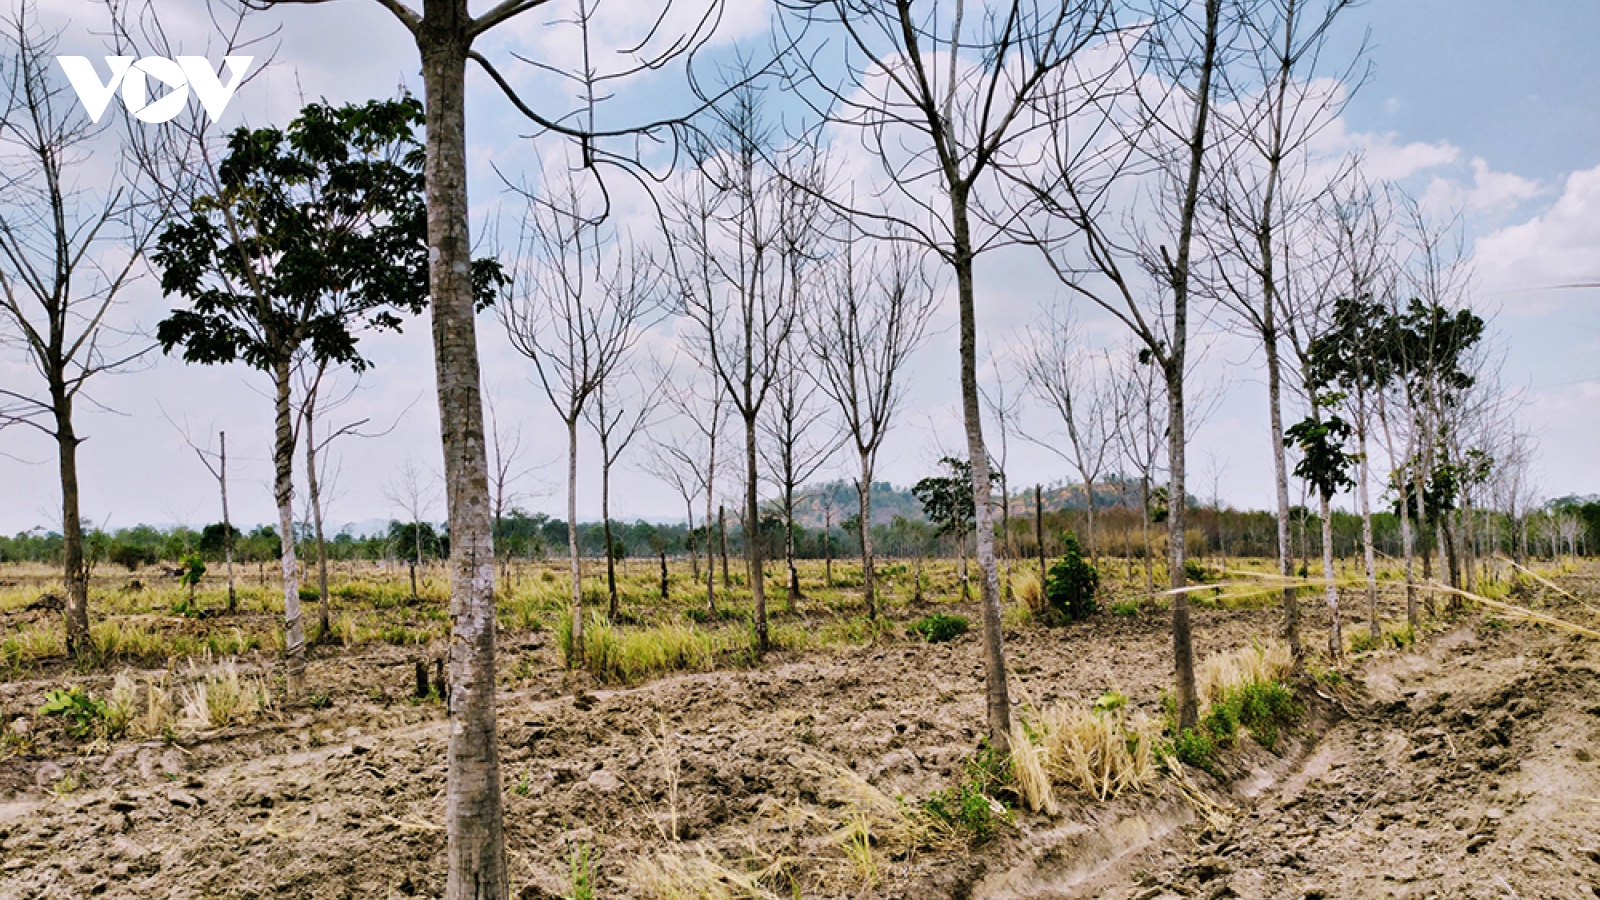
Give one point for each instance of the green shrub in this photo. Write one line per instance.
(1070, 586)
(84, 713)
(1195, 573)
(1194, 747)
(968, 807)
(940, 627)
(1125, 608)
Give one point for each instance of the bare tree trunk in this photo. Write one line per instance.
(711, 550)
(1177, 505)
(1005, 531)
(1038, 527)
(869, 591)
(827, 544)
(688, 540)
(752, 536)
(605, 526)
(1335, 633)
(315, 494)
(575, 658)
(227, 523)
(996, 696)
(1368, 551)
(75, 570)
(1280, 477)
(793, 593)
(1149, 545)
(663, 554)
(722, 530)
(475, 839)
(283, 492)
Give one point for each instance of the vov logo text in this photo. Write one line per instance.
(179, 75)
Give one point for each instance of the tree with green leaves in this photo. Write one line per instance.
(309, 236)
(947, 501)
(1325, 465)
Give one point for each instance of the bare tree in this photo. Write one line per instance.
(505, 470)
(1059, 371)
(414, 492)
(871, 316)
(1143, 154)
(742, 233)
(216, 463)
(1005, 411)
(617, 416)
(74, 223)
(1263, 192)
(705, 408)
(578, 299)
(939, 136)
(1139, 401)
(799, 441)
(444, 32)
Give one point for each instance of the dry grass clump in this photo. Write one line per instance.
(1263, 662)
(1029, 590)
(675, 875)
(223, 697)
(1101, 751)
(32, 643)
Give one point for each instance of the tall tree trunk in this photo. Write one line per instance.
(663, 554)
(711, 549)
(1408, 546)
(1447, 539)
(605, 527)
(1005, 531)
(1038, 526)
(1182, 640)
(827, 544)
(793, 594)
(1335, 633)
(575, 658)
(314, 492)
(227, 523)
(869, 590)
(75, 570)
(752, 535)
(688, 540)
(475, 840)
(1280, 480)
(996, 694)
(1177, 506)
(283, 492)
(1369, 553)
(1149, 546)
(722, 532)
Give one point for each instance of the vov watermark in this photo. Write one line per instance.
(179, 75)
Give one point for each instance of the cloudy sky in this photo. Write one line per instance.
(1473, 105)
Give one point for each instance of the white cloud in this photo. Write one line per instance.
(1559, 246)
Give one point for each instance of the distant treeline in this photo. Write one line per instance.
(1570, 526)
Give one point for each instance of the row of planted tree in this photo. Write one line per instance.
(1161, 159)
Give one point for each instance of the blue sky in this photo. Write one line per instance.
(1489, 106)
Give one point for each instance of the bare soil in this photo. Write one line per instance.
(1463, 767)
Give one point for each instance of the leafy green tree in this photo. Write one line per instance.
(1325, 465)
(947, 501)
(310, 236)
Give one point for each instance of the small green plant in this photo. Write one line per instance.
(1070, 586)
(580, 874)
(966, 809)
(1111, 701)
(85, 714)
(1125, 608)
(319, 701)
(940, 627)
(523, 787)
(1194, 747)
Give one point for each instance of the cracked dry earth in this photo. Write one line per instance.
(1465, 769)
